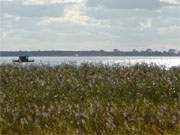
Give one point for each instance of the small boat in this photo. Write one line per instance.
(23, 59)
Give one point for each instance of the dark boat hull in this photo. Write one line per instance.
(18, 61)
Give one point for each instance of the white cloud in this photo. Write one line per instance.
(170, 29)
(146, 25)
(72, 24)
(42, 2)
(3, 35)
(171, 1)
(72, 13)
(7, 21)
(132, 4)
(10, 17)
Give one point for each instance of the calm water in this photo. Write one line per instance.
(166, 61)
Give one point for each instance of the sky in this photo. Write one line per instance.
(89, 24)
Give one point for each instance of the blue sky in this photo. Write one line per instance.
(89, 24)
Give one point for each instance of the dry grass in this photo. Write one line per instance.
(89, 99)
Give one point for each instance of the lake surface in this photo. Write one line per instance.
(165, 61)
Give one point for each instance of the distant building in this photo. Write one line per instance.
(149, 50)
(134, 50)
(172, 51)
(116, 50)
(102, 51)
(178, 53)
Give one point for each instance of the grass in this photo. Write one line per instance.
(89, 99)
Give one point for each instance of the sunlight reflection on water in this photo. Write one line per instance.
(165, 61)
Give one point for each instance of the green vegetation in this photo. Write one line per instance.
(89, 99)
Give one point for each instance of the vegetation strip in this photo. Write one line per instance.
(89, 99)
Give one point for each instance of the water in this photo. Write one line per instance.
(165, 61)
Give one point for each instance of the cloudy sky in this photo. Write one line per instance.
(89, 24)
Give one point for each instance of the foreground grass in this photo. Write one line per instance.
(89, 99)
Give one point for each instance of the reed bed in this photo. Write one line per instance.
(89, 99)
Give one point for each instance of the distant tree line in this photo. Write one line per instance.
(115, 52)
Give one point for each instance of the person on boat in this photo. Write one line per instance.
(23, 59)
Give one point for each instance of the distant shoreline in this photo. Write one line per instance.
(101, 56)
(100, 53)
